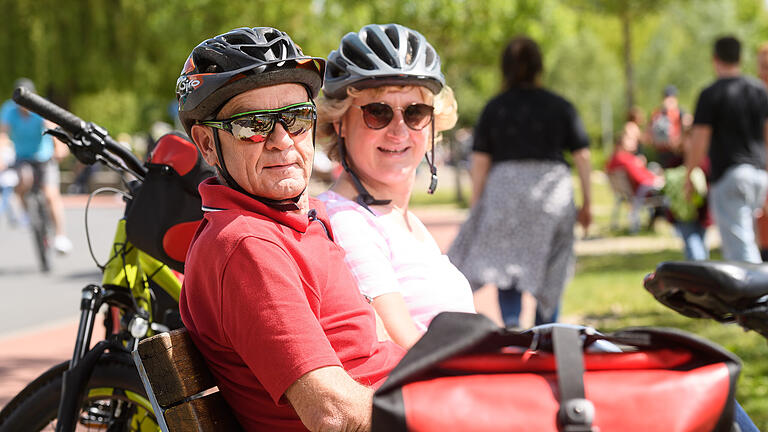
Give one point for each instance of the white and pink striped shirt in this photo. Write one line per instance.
(386, 258)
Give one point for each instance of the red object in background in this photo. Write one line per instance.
(761, 229)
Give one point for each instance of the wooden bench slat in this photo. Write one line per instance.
(209, 413)
(175, 368)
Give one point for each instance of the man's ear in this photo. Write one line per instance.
(202, 136)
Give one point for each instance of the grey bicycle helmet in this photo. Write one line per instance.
(382, 54)
(242, 59)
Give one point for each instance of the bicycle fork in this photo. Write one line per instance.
(84, 359)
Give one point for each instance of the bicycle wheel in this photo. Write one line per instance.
(115, 401)
(39, 222)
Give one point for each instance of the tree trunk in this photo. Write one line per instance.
(628, 68)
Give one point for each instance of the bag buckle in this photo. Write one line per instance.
(577, 415)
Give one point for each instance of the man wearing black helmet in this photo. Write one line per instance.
(267, 296)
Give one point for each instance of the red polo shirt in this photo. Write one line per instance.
(267, 298)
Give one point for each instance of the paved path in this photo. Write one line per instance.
(39, 312)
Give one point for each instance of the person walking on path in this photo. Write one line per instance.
(730, 125)
(519, 235)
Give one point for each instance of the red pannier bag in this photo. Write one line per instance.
(467, 374)
(165, 211)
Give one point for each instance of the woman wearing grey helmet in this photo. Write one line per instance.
(384, 101)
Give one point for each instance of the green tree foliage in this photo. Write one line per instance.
(119, 59)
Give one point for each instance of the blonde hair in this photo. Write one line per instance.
(330, 111)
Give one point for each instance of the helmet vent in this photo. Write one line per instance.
(377, 46)
(254, 51)
(237, 39)
(357, 57)
(412, 49)
(272, 35)
(429, 58)
(206, 64)
(334, 71)
(391, 32)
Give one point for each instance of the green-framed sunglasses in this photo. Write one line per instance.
(257, 125)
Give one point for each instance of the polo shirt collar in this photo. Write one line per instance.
(216, 196)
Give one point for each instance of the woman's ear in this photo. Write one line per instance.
(203, 139)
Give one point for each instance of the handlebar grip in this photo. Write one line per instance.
(49, 110)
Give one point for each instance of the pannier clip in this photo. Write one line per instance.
(577, 415)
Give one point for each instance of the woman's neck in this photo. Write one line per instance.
(399, 195)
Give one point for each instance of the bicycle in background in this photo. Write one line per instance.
(37, 211)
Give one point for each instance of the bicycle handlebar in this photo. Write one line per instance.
(77, 127)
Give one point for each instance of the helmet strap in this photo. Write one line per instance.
(281, 205)
(432, 168)
(364, 198)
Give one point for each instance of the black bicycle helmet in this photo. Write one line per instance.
(234, 62)
(382, 54)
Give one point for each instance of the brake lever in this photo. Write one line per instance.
(83, 152)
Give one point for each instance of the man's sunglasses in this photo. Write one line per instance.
(257, 125)
(378, 115)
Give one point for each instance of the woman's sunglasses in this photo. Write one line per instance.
(378, 115)
(257, 125)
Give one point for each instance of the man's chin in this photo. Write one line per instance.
(287, 190)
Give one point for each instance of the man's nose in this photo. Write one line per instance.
(279, 139)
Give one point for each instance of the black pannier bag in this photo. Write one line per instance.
(467, 374)
(165, 211)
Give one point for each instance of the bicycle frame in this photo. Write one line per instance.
(126, 289)
(131, 279)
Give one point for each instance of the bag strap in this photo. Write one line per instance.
(576, 413)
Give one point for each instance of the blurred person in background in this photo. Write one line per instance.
(381, 121)
(633, 126)
(730, 126)
(665, 129)
(643, 181)
(39, 152)
(519, 235)
(762, 221)
(689, 214)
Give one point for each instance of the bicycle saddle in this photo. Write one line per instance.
(738, 284)
(723, 291)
